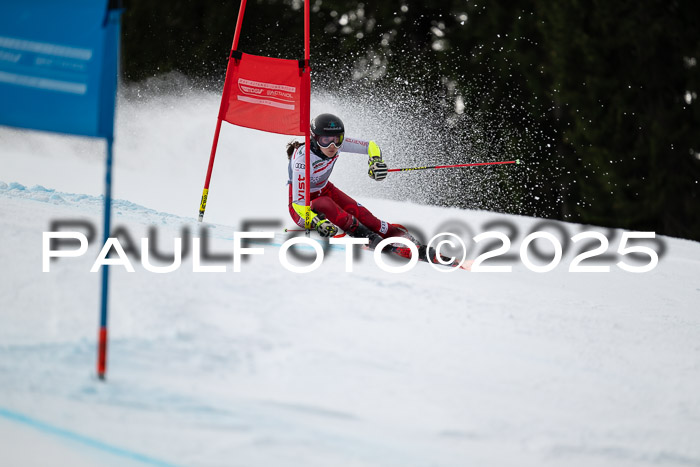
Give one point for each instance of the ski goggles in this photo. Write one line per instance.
(326, 141)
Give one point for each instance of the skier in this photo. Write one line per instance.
(330, 207)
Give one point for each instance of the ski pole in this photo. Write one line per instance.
(407, 169)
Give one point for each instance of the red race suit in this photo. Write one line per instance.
(326, 199)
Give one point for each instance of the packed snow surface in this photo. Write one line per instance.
(267, 367)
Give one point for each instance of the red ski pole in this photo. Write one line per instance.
(407, 169)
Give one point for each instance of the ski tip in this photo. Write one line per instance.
(517, 161)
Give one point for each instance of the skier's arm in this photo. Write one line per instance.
(377, 167)
(356, 146)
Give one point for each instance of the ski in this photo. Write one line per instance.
(431, 257)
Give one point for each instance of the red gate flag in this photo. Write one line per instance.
(268, 94)
(265, 94)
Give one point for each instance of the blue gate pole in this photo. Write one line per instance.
(102, 341)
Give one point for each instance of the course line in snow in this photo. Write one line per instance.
(85, 440)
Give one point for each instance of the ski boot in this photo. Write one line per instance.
(403, 250)
(359, 230)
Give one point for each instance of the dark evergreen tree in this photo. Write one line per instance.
(625, 77)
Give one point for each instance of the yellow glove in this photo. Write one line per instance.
(323, 226)
(377, 167)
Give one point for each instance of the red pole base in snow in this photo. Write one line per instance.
(102, 354)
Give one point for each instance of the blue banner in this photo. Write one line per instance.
(59, 65)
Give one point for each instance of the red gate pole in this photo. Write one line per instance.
(306, 114)
(224, 95)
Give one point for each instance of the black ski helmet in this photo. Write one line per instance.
(327, 125)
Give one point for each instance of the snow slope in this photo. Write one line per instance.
(364, 368)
